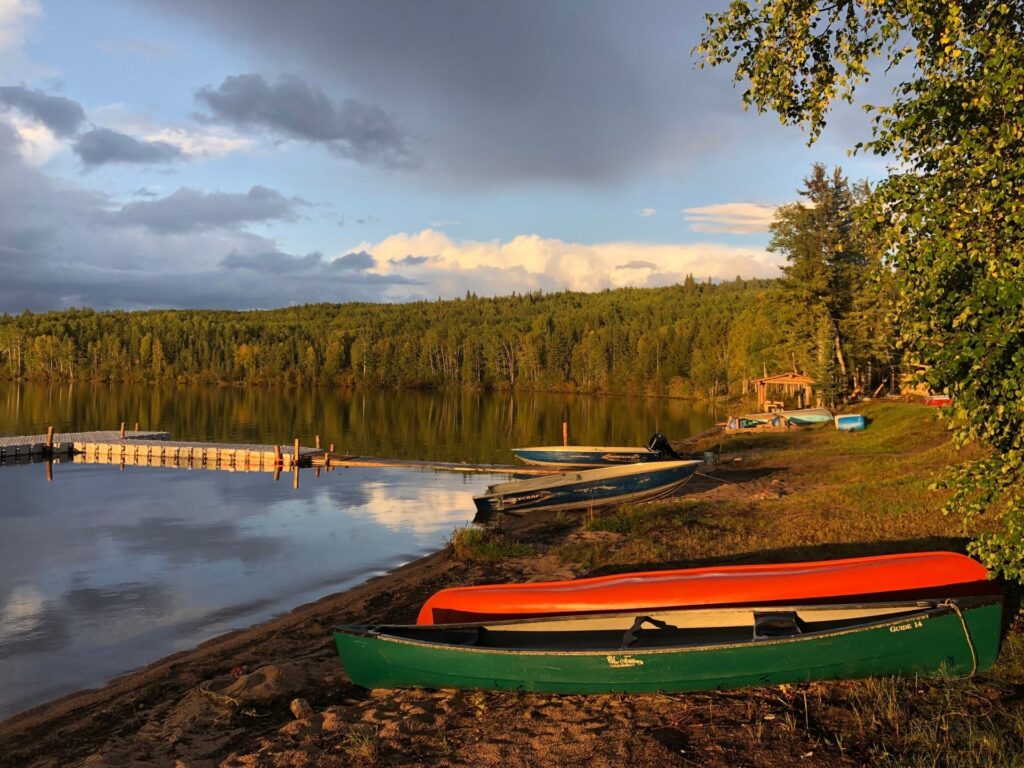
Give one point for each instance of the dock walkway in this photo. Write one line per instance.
(154, 448)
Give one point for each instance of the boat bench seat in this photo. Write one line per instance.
(769, 624)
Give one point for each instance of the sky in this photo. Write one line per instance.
(254, 154)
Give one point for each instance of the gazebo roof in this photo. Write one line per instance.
(793, 378)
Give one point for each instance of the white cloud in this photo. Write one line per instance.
(15, 17)
(530, 262)
(38, 144)
(732, 218)
(647, 212)
(194, 140)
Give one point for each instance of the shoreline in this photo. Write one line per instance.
(777, 497)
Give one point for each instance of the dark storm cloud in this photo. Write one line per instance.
(315, 266)
(103, 145)
(191, 210)
(413, 261)
(295, 110)
(505, 91)
(60, 115)
(359, 261)
(63, 246)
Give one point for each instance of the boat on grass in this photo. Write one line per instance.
(850, 422)
(803, 417)
(658, 448)
(917, 574)
(588, 489)
(693, 650)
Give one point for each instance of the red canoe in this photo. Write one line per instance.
(920, 574)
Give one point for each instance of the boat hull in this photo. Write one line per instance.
(803, 417)
(929, 643)
(585, 456)
(921, 573)
(589, 489)
(850, 422)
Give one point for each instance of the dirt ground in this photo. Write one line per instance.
(226, 703)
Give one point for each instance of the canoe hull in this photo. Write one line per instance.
(589, 489)
(922, 573)
(930, 643)
(583, 456)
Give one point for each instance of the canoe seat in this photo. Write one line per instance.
(769, 624)
(633, 633)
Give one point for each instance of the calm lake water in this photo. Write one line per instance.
(103, 570)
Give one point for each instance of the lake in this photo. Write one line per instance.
(105, 569)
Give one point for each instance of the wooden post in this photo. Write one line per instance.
(295, 455)
(295, 478)
(122, 430)
(49, 471)
(49, 440)
(277, 457)
(565, 433)
(136, 426)
(318, 442)
(277, 472)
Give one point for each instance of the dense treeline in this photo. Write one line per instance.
(690, 339)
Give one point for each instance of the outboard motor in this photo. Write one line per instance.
(660, 443)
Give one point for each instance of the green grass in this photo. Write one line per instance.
(478, 544)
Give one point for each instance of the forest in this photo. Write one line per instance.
(694, 339)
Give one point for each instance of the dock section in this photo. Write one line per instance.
(63, 443)
(148, 448)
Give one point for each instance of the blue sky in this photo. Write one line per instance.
(252, 154)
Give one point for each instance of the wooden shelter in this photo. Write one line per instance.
(790, 384)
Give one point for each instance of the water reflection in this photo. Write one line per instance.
(105, 570)
(444, 426)
(102, 571)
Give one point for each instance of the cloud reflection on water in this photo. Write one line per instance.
(105, 570)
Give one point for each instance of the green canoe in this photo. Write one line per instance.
(691, 650)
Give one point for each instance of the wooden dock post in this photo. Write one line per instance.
(565, 433)
(317, 438)
(49, 441)
(295, 478)
(136, 426)
(277, 457)
(122, 430)
(295, 455)
(49, 470)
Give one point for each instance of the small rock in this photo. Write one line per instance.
(301, 709)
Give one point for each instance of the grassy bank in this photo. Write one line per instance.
(777, 497)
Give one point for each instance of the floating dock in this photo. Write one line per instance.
(147, 448)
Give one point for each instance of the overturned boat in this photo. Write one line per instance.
(859, 579)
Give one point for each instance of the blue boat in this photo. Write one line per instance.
(850, 422)
(658, 449)
(589, 489)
